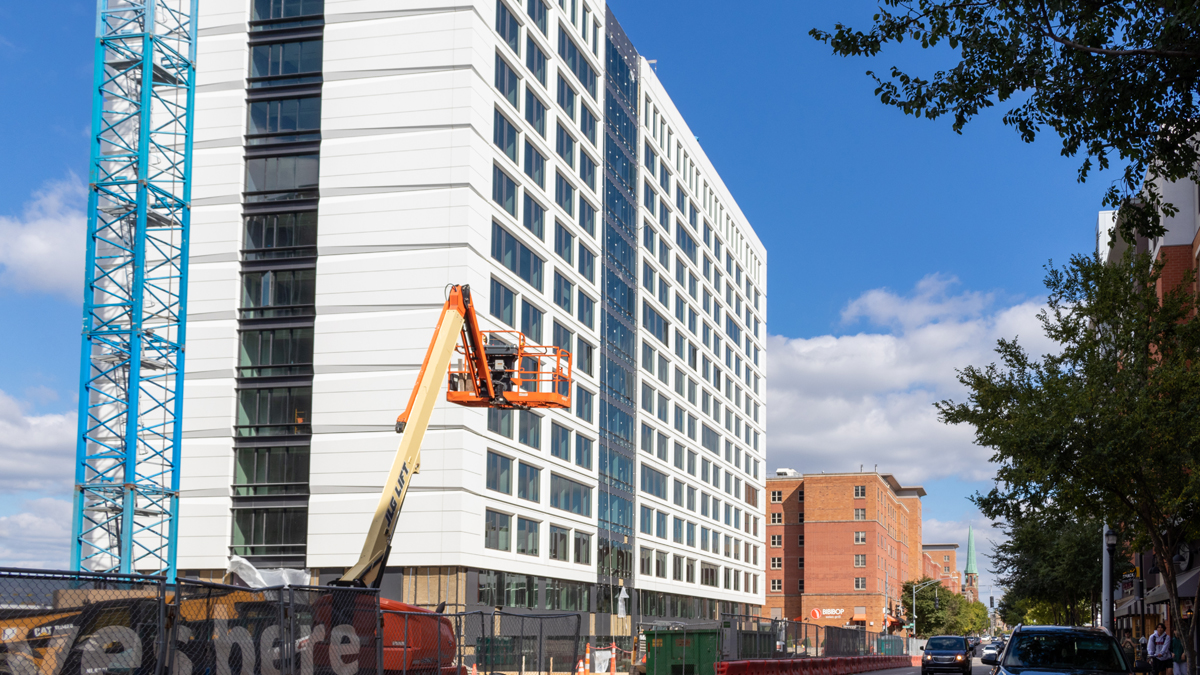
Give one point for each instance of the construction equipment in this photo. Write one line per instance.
(135, 300)
(502, 371)
(498, 369)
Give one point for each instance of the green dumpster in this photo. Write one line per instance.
(677, 652)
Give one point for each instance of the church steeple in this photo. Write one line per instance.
(971, 575)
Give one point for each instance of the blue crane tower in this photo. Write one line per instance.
(126, 513)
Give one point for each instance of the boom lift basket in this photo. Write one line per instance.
(523, 375)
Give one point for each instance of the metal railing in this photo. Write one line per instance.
(756, 637)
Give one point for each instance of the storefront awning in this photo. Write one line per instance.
(1125, 606)
(859, 617)
(1187, 588)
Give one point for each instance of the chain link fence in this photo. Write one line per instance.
(756, 637)
(66, 623)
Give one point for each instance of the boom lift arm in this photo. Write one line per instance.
(495, 373)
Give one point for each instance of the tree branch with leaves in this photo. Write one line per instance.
(1114, 79)
(1108, 428)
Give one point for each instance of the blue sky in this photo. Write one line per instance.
(887, 236)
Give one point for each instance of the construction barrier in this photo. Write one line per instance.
(827, 665)
(78, 623)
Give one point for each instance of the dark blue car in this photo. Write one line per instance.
(1064, 650)
(946, 653)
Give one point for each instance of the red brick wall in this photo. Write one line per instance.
(1178, 260)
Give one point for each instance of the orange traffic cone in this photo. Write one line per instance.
(474, 670)
(587, 658)
(612, 660)
(579, 668)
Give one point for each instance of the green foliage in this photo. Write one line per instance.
(1119, 78)
(1105, 430)
(1052, 560)
(952, 616)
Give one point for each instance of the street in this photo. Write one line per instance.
(976, 669)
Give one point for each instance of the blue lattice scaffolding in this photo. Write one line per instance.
(131, 383)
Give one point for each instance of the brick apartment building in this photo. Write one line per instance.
(944, 565)
(862, 535)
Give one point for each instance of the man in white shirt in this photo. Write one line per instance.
(1158, 649)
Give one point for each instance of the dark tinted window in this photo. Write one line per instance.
(946, 643)
(1064, 651)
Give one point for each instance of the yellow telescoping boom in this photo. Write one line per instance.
(501, 371)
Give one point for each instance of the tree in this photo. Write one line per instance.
(1049, 558)
(1120, 77)
(1108, 428)
(929, 618)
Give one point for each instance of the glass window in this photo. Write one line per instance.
(587, 124)
(583, 403)
(564, 243)
(560, 441)
(584, 354)
(564, 145)
(577, 63)
(571, 496)
(284, 120)
(587, 217)
(563, 292)
(506, 80)
(274, 411)
(507, 26)
(271, 471)
(281, 59)
(497, 530)
(654, 482)
(514, 255)
(502, 303)
(531, 321)
(504, 191)
(529, 430)
(529, 482)
(583, 549)
(587, 263)
(587, 171)
(499, 473)
(537, 11)
(535, 60)
(527, 536)
(504, 135)
(270, 531)
(564, 193)
(535, 167)
(583, 451)
(566, 97)
(560, 538)
(282, 178)
(280, 235)
(500, 422)
(265, 10)
(586, 314)
(535, 112)
(282, 351)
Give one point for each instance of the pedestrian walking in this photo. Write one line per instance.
(1158, 650)
(1178, 656)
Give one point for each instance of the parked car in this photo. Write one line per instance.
(946, 653)
(1064, 650)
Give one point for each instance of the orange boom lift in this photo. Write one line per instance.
(498, 369)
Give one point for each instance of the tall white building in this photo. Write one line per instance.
(355, 157)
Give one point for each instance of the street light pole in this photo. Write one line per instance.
(1110, 549)
(913, 633)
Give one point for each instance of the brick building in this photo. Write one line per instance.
(862, 533)
(945, 565)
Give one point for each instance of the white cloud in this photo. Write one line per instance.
(42, 250)
(838, 402)
(36, 451)
(39, 536)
